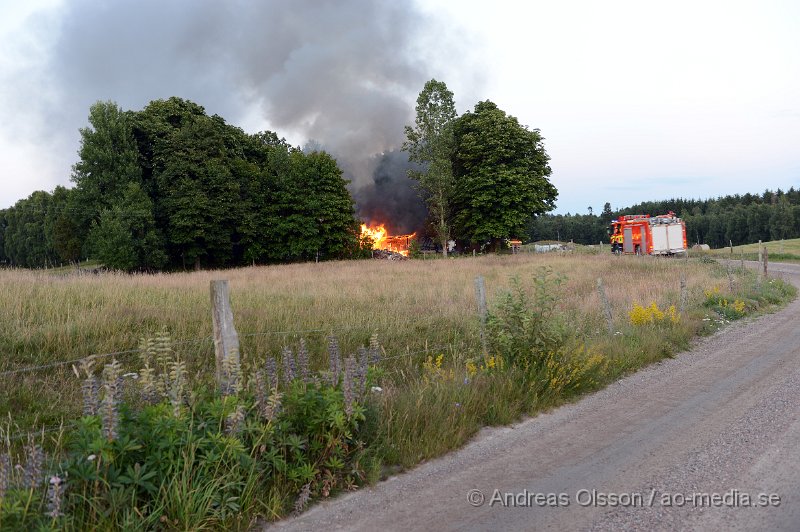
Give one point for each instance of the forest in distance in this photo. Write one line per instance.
(740, 219)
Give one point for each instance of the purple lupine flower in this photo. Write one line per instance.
(302, 362)
(361, 371)
(34, 460)
(348, 384)
(334, 361)
(374, 350)
(5, 474)
(55, 493)
(271, 368)
(288, 365)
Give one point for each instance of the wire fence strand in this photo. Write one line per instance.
(127, 352)
(39, 433)
(65, 362)
(66, 425)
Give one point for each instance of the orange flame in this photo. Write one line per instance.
(377, 234)
(382, 240)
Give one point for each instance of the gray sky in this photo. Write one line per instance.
(637, 100)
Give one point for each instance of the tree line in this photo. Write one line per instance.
(171, 187)
(740, 219)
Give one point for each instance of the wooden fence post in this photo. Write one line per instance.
(684, 295)
(730, 276)
(601, 290)
(742, 259)
(760, 253)
(766, 260)
(226, 340)
(480, 295)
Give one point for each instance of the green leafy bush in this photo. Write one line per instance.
(157, 457)
(754, 295)
(524, 327)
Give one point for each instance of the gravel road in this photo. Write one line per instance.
(708, 432)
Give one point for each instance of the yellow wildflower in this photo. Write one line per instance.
(672, 312)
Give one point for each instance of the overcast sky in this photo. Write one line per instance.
(636, 100)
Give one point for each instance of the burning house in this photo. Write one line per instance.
(389, 244)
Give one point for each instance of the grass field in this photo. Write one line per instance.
(548, 340)
(412, 306)
(778, 251)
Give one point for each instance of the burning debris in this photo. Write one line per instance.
(385, 246)
(385, 254)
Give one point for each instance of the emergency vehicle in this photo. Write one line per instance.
(642, 234)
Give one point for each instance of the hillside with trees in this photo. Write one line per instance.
(741, 219)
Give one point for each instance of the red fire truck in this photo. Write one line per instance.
(642, 234)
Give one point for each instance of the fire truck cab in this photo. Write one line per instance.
(642, 234)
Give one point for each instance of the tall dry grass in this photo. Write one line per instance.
(411, 305)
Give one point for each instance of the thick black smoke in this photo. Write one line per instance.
(390, 198)
(343, 72)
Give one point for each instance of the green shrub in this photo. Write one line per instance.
(528, 333)
(751, 297)
(524, 327)
(156, 457)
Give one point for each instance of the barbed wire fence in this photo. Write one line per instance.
(51, 429)
(21, 434)
(226, 343)
(128, 352)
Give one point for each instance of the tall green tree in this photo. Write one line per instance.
(736, 231)
(501, 172)
(26, 241)
(781, 220)
(432, 144)
(265, 168)
(329, 211)
(109, 160)
(307, 226)
(716, 230)
(61, 225)
(126, 237)
(187, 162)
(607, 215)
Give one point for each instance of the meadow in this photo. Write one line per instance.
(548, 342)
(411, 305)
(777, 250)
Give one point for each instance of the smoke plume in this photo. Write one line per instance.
(390, 198)
(345, 73)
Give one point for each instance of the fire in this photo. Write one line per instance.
(376, 233)
(382, 240)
